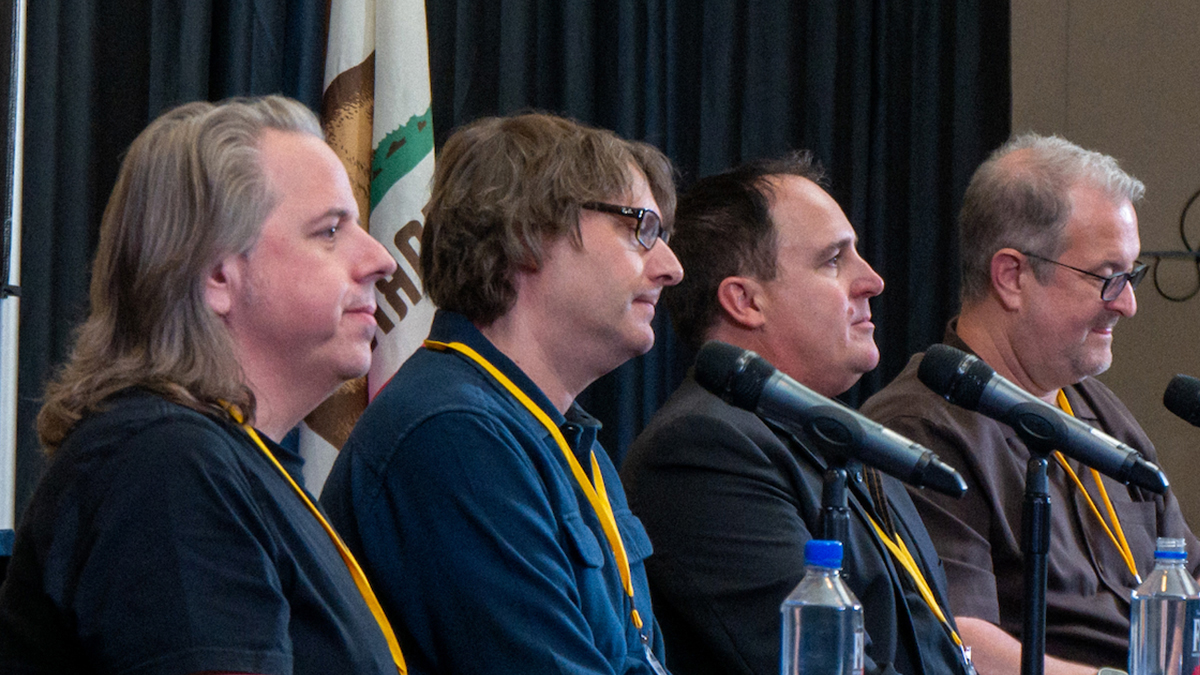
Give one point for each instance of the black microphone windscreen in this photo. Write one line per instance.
(954, 375)
(1182, 397)
(736, 375)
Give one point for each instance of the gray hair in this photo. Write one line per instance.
(1018, 198)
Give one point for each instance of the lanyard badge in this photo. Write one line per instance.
(356, 573)
(596, 494)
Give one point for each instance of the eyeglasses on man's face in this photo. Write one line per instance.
(649, 228)
(1113, 283)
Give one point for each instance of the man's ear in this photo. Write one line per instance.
(1008, 278)
(220, 284)
(742, 299)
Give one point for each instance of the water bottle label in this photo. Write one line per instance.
(1191, 639)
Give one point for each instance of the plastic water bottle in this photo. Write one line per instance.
(822, 620)
(1164, 631)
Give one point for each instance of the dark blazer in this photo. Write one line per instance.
(729, 505)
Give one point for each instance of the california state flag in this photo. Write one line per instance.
(376, 114)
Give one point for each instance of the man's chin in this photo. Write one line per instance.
(1093, 364)
(644, 347)
(643, 341)
(1100, 367)
(357, 367)
(869, 360)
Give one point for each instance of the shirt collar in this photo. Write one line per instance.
(289, 457)
(580, 429)
(454, 327)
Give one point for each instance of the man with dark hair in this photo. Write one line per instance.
(232, 286)
(473, 488)
(729, 501)
(1049, 246)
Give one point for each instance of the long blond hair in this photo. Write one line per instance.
(190, 193)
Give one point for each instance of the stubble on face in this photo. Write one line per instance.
(1071, 327)
(590, 306)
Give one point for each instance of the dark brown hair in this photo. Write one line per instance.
(723, 228)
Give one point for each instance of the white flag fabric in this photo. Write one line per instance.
(377, 117)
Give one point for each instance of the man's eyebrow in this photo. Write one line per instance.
(339, 214)
(839, 245)
(1116, 266)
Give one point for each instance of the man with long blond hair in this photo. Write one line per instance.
(231, 293)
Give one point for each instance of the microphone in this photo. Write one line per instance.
(967, 381)
(746, 380)
(1182, 397)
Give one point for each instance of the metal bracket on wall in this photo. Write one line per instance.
(1189, 255)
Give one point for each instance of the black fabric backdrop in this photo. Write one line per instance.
(900, 100)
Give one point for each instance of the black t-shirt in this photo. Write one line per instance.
(163, 541)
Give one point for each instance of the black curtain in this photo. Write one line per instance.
(899, 100)
(97, 73)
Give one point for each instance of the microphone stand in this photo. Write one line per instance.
(834, 522)
(1035, 546)
(835, 515)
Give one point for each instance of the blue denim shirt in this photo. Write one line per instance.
(484, 552)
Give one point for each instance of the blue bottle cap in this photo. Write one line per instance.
(1170, 549)
(823, 553)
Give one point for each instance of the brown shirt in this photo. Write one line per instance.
(979, 536)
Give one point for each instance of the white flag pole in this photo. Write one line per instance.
(9, 298)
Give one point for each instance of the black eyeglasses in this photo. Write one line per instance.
(1113, 283)
(649, 227)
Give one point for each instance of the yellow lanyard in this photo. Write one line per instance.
(360, 579)
(902, 555)
(1118, 539)
(597, 496)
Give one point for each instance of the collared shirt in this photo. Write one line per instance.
(979, 536)
(484, 552)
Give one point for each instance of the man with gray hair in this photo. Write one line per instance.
(1049, 265)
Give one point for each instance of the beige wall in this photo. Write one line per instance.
(1124, 78)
